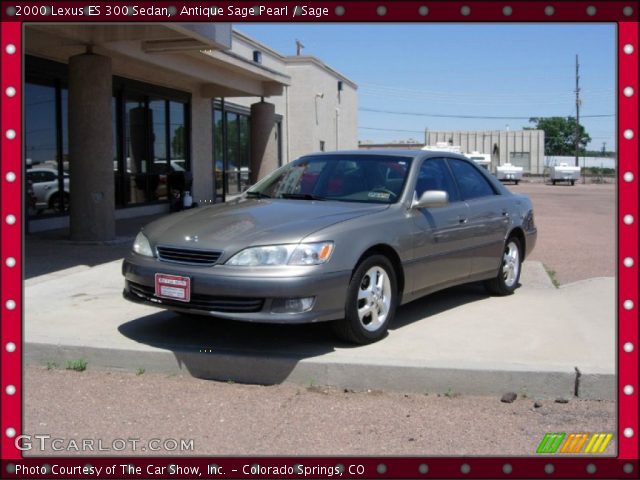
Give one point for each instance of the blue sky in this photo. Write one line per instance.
(485, 70)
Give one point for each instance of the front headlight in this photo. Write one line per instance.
(141, 246)
(274, 255)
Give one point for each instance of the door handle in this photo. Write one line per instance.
(462, 219)
(505, 213)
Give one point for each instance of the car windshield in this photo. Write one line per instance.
(347, 178)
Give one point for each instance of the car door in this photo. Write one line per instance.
(488, 219)
(440, 239)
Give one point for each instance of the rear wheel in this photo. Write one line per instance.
(54, 202)
(371, 302)
(506, 281)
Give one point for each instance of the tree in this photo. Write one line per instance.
(560, 135)
(177, 143)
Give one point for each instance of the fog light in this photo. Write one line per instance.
(292, 305)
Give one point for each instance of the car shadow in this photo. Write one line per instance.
(218, 349)
(438, 302)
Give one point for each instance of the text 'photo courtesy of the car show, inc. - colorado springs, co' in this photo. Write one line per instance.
(319, 239)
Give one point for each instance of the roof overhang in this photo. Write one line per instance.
(193, 54)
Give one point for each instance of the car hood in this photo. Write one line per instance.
(246, 222)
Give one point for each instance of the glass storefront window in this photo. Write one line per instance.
(150, 139)
(231, 151)
(244, 139)
(46, 149)
(157, 176)
(156, 146)
(218, 157)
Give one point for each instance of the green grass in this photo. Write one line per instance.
(451, 394)
(140, 371)
(78, 365)
(52, 365)
(552, 276)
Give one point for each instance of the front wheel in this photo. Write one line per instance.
(506, 281)
(371, 302)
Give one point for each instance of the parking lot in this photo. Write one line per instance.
(437, 336)
(576, 228)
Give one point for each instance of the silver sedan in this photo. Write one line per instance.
(342, 236)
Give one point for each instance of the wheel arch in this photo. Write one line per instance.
(518, 233)
(389, 252)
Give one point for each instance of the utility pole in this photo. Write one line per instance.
(604, 149)
(577, 140)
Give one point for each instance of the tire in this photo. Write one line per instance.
(54, 202)
(553, 182)
(506, 281)
(517, 182)
(573, 182)
(369, 310)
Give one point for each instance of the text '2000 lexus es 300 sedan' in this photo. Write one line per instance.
(342, 236)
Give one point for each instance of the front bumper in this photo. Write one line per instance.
(244, 297)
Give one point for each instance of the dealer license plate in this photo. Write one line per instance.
(173, 287)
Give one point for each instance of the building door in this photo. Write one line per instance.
(231, 151)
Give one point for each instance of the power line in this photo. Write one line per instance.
(480, 117)
(422, 132)
(463, 94)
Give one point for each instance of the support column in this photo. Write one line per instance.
(92, 204)
(264, 149)
(202, 148)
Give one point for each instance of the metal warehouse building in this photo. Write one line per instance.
(524, 148)
(113, 112)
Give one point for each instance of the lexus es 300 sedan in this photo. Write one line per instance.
(343, 237)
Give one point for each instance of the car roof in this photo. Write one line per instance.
(394, 152)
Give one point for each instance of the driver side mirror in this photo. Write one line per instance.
(432, 199)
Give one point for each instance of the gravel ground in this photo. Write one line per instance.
(576, 228)
(232, 419)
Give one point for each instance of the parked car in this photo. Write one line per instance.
(47, 190)
(341, 236)
(30, 199)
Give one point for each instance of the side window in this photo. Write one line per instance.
(49, 177)
(471, 182)
(434, 175)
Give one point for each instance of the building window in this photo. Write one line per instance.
(151, 136)
(322, 145)
(150, 139)
(231, 149)
(46, 148)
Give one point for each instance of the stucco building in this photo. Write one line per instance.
(113, 112)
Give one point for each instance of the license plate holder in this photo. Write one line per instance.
(173, 287)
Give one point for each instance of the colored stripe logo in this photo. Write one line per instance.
(591, 443)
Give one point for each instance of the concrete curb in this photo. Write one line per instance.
(245, 367)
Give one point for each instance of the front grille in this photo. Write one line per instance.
(202, 302)
(188, 256)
